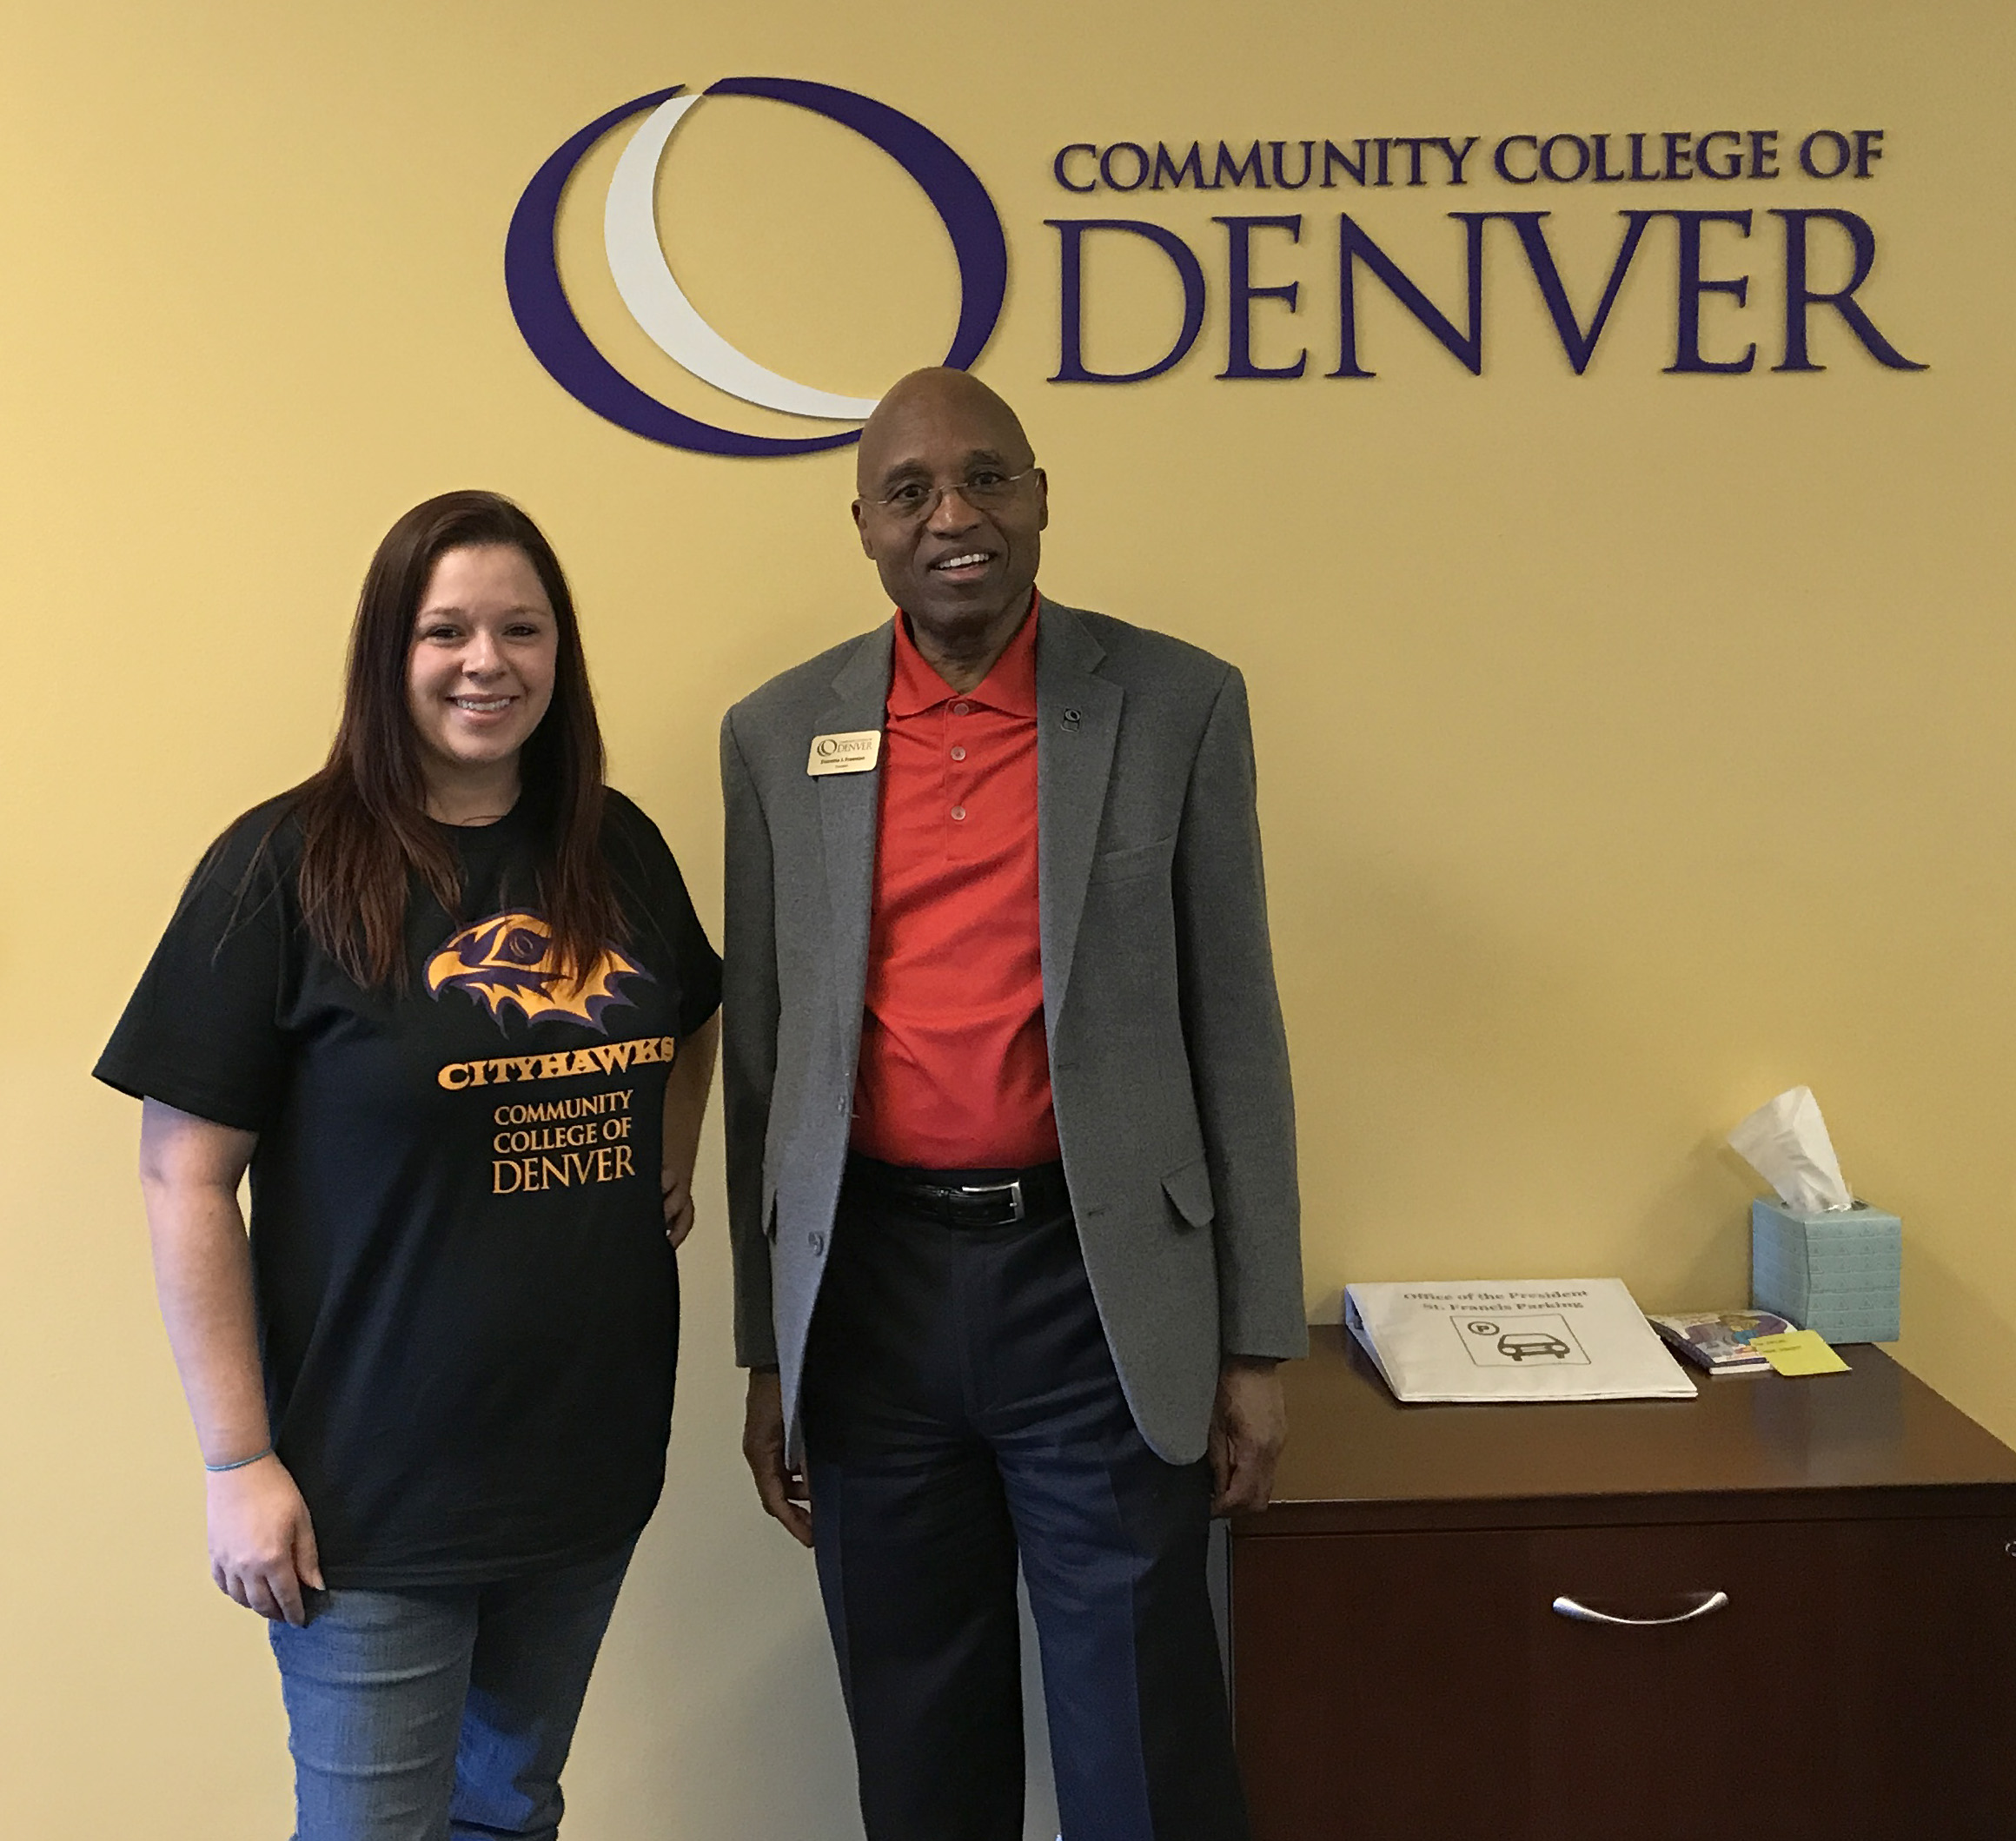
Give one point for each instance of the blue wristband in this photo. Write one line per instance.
(238, 1463)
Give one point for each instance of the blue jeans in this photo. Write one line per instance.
(441, 1711)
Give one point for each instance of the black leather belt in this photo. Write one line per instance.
(962, 1198)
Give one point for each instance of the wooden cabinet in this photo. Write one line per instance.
(1401, 1671)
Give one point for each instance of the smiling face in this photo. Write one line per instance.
(479, 676)
(960, 569)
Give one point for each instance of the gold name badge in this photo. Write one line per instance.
(856, 752)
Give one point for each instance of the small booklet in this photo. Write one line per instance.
(1719, 1340)
(1530, 1340)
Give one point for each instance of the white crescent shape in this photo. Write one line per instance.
(658, 304)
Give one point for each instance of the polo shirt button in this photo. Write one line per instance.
(817, 1243)
(962, 708)
(959, 811)
(959, 754)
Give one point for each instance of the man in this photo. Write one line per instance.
(1010, 1153)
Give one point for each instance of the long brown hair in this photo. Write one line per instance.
(365, 831)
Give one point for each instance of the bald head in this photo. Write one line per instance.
(921, 405)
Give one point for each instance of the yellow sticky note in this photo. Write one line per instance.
(1799, 1352)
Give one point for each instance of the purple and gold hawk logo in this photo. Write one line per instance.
(510, 959)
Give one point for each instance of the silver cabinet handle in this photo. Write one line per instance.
(1569, 1608)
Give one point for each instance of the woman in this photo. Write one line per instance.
(449, 1001)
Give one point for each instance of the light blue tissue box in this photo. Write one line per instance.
(1840, 1273)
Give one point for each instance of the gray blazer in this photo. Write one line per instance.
(1168, 1065)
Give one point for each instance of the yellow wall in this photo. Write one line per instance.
(1633, 746)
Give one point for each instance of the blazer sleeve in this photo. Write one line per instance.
(1237, 1044)
(749, 1015)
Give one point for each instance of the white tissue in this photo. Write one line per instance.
(1786, 1142)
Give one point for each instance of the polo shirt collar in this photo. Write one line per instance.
(1009, 687)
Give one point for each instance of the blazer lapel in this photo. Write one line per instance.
(1077, 719)
(848, 804)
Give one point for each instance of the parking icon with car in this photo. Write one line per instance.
(1498, 1341)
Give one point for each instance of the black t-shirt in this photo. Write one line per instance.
(468, 1313)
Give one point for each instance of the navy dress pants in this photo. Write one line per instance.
(962, 1411)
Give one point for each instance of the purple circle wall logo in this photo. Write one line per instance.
(655, 300)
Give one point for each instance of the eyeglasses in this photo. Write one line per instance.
(984, 489)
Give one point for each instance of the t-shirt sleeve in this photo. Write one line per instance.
(661, 915)
(202, 1031)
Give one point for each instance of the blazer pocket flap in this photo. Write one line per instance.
(1189, 1186)
(1138, 859)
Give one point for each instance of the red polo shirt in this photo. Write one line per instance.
(954, 1071)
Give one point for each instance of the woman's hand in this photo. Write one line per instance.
(685, 1105)
(262, 1548)
(263, 1545)
(679, 1208)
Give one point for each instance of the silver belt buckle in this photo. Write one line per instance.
(1013, 1190)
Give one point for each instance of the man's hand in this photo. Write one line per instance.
(677, 1193)
(262, 1547)
(1249, 1426)
(782, 1489)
